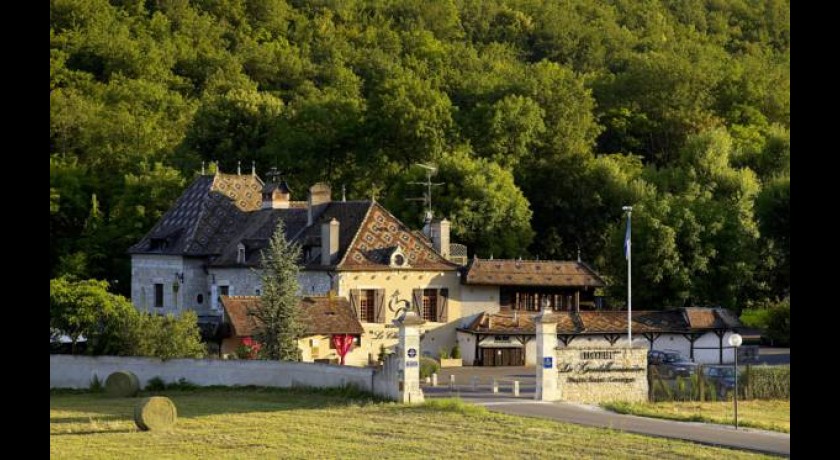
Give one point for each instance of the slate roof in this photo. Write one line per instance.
(320, 315)
(217, 213)
(531, 273)
(599, 322)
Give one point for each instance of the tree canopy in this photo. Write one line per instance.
(544, 115)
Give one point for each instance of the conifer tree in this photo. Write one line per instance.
(279, 315)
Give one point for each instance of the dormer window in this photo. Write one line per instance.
(240, 254)
(398, 259)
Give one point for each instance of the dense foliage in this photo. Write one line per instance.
(544, 116)
(110, 325)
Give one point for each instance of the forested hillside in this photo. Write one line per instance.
(544, 116)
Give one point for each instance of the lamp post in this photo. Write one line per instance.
(735, 341)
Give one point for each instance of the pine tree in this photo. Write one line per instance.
(279, 313)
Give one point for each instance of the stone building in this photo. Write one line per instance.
(208, 247)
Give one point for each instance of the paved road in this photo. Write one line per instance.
(718, 435)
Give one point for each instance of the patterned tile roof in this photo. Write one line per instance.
(216, 214)
(379, 235)
(320, 315)
(594, 322)
(500, 272)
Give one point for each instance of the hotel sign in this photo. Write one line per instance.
(595, 375)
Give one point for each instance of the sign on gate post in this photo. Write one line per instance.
(548, 362)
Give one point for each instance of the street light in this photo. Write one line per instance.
(735, 341)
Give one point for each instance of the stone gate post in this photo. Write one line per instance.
(409, 358)
(547, 389)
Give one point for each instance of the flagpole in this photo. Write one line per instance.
(629, 252)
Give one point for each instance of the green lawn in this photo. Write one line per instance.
(769, 415)
(296, 424)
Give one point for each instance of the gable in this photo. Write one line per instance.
(377, 238)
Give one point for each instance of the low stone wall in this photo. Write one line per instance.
(77, 372)
(595, 375)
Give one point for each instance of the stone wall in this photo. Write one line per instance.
(77, 372)
(594, 375)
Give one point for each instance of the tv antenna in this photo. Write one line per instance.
(427, 195)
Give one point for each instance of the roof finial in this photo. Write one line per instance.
(343, 193)
(578, 253)
(491, 256)
(238, 167)
(202, 167)
(254, 168)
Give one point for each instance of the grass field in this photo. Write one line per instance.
(257, 423)
(768, 415)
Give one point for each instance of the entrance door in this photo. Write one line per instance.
(503, 357)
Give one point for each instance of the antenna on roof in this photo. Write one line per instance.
(238, 167)
(202, 167)
(343, 193)
(253, 167)
(427, 195)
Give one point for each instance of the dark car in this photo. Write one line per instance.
(722, 377)
(670, 364)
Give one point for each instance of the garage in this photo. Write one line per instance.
(507, 356)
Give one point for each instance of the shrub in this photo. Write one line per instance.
(96, 385)
(182, 384)
(155, 384)
(778, 324)
(248, 349)
(444, 353)
(382, 353)
(765, 382)
(428, 366)
(456, 351)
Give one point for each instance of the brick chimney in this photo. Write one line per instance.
(320, 196)
(440, 237)
(329, 242)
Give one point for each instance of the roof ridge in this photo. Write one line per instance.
(356, 235)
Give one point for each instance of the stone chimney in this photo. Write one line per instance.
(440, 237)
(320, 196)
(276, 195)
(329, 242)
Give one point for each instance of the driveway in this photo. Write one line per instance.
(704, 433)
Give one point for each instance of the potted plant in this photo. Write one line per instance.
(454, 361)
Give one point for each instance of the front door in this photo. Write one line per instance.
(503, 356)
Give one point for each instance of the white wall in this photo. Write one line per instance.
(476, 300)
(68, 371)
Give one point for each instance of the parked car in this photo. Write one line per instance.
(722, 377)
(670, 364)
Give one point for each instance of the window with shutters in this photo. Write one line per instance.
(367, 300)
(430, 302)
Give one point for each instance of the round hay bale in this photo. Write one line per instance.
(123, 384)
(155, 413)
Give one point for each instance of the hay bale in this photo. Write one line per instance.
(123, 384)
(155, 413)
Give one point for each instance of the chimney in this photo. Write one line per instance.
(320, 196)
(440, 237)
(276, 195)
(329, 242)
